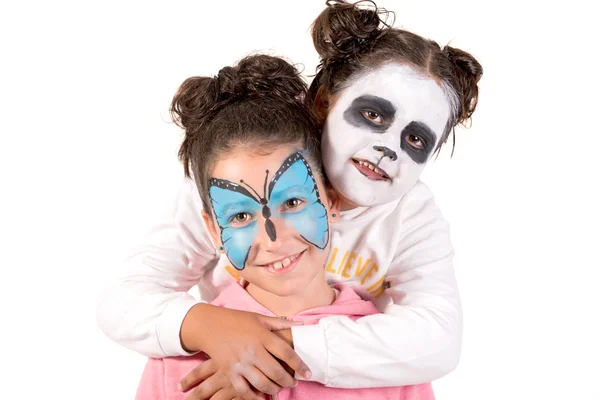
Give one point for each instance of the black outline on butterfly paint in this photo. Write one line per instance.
(266, 211)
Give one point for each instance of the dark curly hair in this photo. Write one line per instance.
(258, 103)
(351, 39)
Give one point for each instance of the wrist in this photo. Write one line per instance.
(191, 332)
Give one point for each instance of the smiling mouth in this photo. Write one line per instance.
(370, 170)
(283, 263)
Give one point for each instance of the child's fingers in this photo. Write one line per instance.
(231, 394)
(225, 394)
(202, 372)
(280, 349)
(276, 324)
(209, 387)
(269, 375)
(243, 389)
(260, 381)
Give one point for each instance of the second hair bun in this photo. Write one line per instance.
(259, 75)
(344, 29)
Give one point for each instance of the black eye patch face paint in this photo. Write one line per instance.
(425, 134)
(386, 110)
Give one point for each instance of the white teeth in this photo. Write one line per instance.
(378, 171)
(360, 163)
(371, 167)
(283, 263)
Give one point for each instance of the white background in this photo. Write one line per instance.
(88, 162)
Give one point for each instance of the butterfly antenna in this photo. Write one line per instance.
(251, 188)
(265, 187)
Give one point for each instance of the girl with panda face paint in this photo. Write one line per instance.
(392, 120)
(386, 99)
(389, 99)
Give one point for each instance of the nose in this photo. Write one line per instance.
(269, 226)
(269, 237)
(387, 152)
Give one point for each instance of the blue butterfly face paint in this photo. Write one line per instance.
(293, 183)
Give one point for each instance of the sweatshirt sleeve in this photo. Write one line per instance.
(144, 308)
(418, 338)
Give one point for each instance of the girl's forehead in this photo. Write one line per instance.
(390, 73)
(247, 162)
(251, 165)
(411, 93)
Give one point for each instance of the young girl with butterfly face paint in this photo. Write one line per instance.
(388, 99)
(267, 207)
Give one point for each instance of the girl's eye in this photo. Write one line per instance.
(372, 116)
(415, 141)
(241, 218)
(292, 204)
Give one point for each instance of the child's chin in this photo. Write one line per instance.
(289, 288)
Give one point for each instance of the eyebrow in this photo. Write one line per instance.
(237, 206)
(380, 104)
(289, 190)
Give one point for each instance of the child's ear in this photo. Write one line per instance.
(212, 229)
(321, 105)
(334, 201)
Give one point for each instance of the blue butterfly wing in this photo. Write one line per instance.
(295, 179)
(227, 199)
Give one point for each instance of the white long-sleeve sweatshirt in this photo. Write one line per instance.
(399, 255)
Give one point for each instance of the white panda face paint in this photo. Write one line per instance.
(380, 133)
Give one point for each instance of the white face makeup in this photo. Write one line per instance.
(380, 133)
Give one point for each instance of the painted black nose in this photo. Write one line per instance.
(387, 152)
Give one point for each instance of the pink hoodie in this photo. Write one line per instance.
(161, 376)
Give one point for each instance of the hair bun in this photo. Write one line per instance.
(464, 62)
(344, 29)
(199, 99)
(467, 73)
(259, 76)
(193, 101)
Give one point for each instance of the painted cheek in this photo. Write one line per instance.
(311, 224)
(343, 135)
(338, 152)
(238, 242)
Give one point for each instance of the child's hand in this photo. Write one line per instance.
(214, 386)
(243, 348)
(285, 334)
